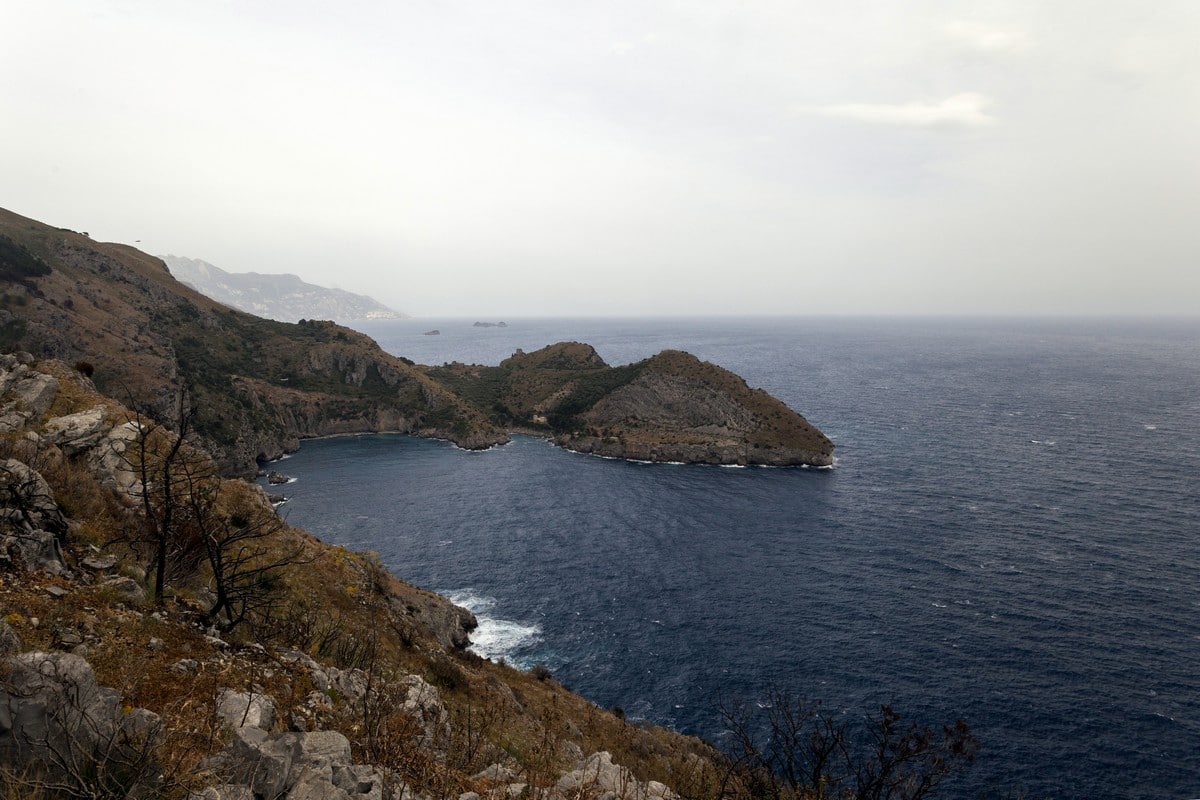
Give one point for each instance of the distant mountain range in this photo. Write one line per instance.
(285, 298)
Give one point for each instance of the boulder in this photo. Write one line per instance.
(226, 791)
(296, 766)
(54, 716)
(98, 563)
(10, 642)
(351, 685)
(423, 703)
(276, 478)
(241, 709)
(109, 460)
(25, 394)
(598, 775)
(127, 589)
(31, 524)
(185, 666)
(26, 498)
(75, 433)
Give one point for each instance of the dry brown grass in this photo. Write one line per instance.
(340, 607)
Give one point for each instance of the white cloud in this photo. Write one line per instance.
(963, 110)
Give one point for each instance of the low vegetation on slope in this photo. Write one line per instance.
(258, 386)
(244, 603)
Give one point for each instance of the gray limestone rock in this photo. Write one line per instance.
(75, 433)
(25, 394)
(27, 502)
(297, 766)
(98, 563)
(10, 642)
(241, 709)
(225, 791)
(111, 459)
(128, 590)
(424, 704)
(54, 715)
(598, 775)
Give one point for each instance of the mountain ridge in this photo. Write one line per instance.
(258, 386)
(283, 297)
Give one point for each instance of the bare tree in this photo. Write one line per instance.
(193, 516)
(157, 451)
(245, 550)
(789, 749)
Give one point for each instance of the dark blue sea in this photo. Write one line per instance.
(1010, 535)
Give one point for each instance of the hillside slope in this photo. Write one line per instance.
(327, 678)
(257, 386)
(284, 298)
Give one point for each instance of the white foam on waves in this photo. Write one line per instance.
(495, 637)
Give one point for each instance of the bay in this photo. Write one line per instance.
(1008, 536)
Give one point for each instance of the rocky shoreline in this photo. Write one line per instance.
(714, 454)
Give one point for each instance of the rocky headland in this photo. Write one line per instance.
(671, 407)
(256, 387)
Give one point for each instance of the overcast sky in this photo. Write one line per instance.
(648, 157)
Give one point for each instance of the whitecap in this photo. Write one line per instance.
(495, 637)
(1150, 427)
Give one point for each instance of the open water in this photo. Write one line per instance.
(1010, 535)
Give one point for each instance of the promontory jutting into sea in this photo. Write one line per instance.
(1006, 537)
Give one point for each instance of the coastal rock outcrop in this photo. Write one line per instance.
(56, 719)
(671, 407)
(31, 523)
(25, 393)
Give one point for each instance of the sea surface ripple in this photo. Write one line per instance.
(1009, 536)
